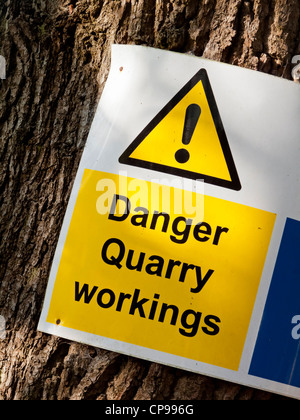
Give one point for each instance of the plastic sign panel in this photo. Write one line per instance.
(181, 239)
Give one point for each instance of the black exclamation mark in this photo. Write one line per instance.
(192, 116)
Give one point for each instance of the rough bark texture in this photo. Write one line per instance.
(58, 58)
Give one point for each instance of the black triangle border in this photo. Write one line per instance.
(202, 76)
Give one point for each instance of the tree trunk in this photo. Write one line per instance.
(58, 57)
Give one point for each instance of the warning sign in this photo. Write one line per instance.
(187, 138)
(156, 264)
(158, 279)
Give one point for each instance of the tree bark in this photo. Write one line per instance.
(58, 58)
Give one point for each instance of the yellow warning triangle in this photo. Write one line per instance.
(187, 138)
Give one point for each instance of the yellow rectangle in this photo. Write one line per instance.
(159, 279)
